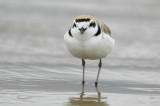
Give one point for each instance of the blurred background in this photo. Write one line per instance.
(33, 30)
(33, 55)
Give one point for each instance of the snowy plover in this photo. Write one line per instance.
(89, 38)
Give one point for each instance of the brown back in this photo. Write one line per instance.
(104, 27)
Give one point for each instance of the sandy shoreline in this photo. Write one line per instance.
(75, 98)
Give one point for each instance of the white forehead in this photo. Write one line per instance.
(83, 24)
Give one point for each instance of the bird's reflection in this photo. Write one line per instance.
(84, 100)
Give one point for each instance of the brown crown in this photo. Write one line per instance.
(84, 17)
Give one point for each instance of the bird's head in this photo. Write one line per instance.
(84, 27)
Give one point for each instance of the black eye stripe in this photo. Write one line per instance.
(74, 25)
(92, 24)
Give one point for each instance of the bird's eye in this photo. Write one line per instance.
(92, 24)
(74, 25)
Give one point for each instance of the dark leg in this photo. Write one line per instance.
(99, 94)
(82, 93)
(83, 64)
(99, 69)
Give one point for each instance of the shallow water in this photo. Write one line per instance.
(36, 68)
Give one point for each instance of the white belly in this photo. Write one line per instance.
(94, 48)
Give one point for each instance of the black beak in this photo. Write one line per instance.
(82, 30)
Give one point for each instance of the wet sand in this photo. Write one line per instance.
(36, 68)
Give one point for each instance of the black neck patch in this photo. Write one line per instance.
(69, 32)
(83, 20)
(98, 32)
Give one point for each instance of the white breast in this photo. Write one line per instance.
(95, 48)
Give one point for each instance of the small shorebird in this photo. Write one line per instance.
(89, 38)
